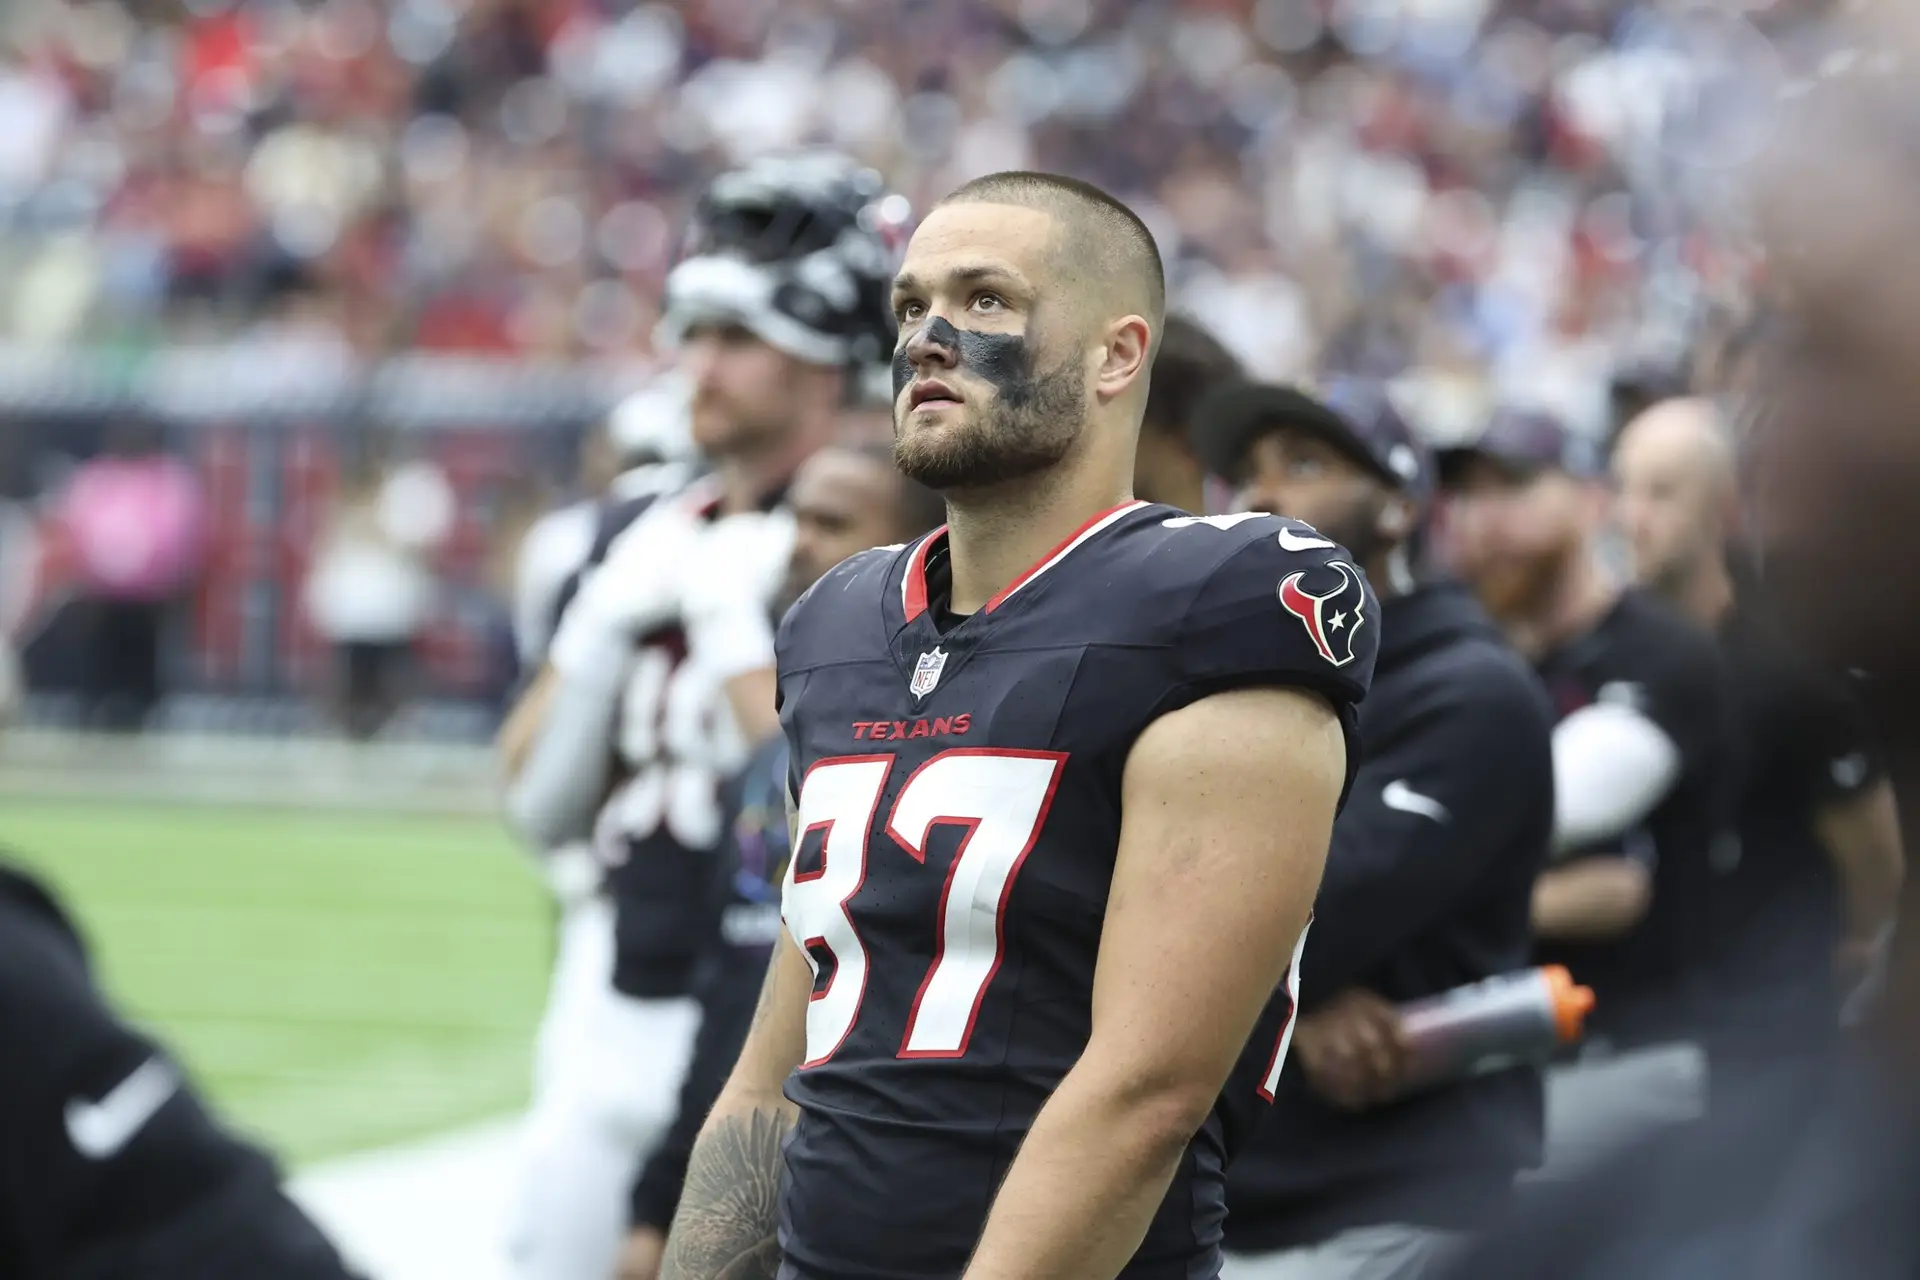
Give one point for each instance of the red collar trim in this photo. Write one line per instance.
(913, 597)
(913, 590)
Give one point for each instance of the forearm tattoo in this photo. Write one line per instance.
(727, 1224)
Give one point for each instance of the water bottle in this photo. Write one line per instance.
(1486, 1026)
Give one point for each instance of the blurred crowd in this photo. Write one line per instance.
(1510, 189)
(1513, 227)
(1488, 200)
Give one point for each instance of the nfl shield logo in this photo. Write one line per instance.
(926, 673)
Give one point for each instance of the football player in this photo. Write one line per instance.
(660, 673)
(644, 449)
(1063, 773)
(845, 500)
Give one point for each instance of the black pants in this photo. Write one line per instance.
(121, 677)
(373, 678)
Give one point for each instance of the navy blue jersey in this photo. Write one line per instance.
(958, 785)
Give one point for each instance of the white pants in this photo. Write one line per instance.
(1596, 1108)
(607, 1074)
(1390, 1251)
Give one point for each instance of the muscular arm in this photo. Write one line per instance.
(1228, 805)
(726, 1225)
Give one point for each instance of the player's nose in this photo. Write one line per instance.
(933, 344)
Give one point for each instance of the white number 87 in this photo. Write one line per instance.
(1001, 796)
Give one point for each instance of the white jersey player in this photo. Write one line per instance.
(660, 672)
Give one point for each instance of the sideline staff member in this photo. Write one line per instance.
(1641, 777)
(1806, 897)
(1429, 878)
(110, 1169)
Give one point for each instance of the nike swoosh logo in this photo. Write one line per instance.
(100, 1130)
(1398, 795)
(1291, 541)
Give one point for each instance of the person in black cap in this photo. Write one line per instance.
(110, 1166)
(1428, 884)
(1641, 776)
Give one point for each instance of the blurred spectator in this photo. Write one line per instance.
(372, 591)
(1510, 183)
(136, 517)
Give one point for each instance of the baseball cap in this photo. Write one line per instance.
(1525, 442)
(1356, 416)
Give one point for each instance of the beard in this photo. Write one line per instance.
(1027, 428)
(1510, 585)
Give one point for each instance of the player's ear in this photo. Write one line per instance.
(1123, 356)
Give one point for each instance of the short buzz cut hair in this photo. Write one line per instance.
(1106, 239)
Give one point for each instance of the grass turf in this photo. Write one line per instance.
(334, 982)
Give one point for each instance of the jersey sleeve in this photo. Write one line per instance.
(1839, 755)
(1270, 614)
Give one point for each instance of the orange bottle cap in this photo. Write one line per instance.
(1571, 1002)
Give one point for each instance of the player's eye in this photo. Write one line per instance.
(989, 302)
(908, 311)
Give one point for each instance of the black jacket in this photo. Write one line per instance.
(1428, 885)
(110, 1169)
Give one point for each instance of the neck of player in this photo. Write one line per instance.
(750, 479)
(996, 535)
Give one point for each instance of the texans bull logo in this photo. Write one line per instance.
(1332, 617)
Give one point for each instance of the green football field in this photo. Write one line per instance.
(335, 982)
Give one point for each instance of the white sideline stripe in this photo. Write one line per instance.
(429, 1210)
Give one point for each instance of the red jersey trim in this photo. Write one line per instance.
(913, 590)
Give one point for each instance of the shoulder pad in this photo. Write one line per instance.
(851, 590)
(1278, 597)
